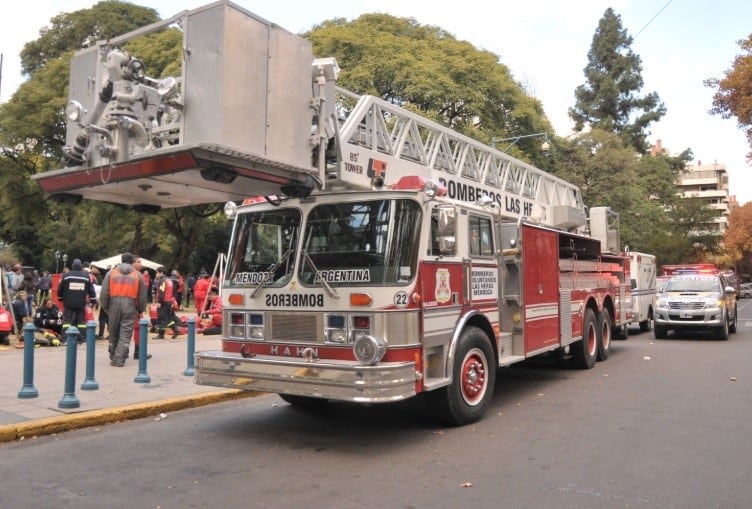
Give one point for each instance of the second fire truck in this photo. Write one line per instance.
(383, 257)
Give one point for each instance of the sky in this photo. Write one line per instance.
(544, 43)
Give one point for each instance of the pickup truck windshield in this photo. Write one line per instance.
(694, 285)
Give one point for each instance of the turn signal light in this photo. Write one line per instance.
(360, 299)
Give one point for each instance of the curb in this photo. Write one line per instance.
(68, 422)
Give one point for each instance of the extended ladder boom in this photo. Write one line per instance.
(253, 113)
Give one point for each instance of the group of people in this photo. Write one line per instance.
(126, 291)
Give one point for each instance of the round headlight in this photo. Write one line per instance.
(430, 188)
(74, 111)
(369, 349)
(167, 87)
(231, 209)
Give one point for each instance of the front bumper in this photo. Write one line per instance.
(332, 379)
(668, 318)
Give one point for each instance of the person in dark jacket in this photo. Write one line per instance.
(166, 318)
(75, 291)
(48, 316)
(21, 310)
(44, 286)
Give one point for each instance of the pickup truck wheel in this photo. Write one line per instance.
(723, 330)
(585, 350)
(466, 398)
(660, 332)
(732, 325)
(604, 338)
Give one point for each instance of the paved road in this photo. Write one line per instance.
(661, 424)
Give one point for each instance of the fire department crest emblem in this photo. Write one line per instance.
(443, 288)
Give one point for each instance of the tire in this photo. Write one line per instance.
(306, 402)
(621, 332)
(604, 339)
(732, 325)
(723, 330)
(660, 332)
(466, 398)
(585, 350)
(647, 325)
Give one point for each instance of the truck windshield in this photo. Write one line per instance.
(263, 251)
(694, 285)
(361, 243)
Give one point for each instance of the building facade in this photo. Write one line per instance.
(710, 183)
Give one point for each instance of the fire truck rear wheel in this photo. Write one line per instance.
(604, 341)
(466, 398)
(585, 350)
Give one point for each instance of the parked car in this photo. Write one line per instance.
(696, 302)
(745, 290)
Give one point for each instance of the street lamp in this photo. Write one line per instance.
(545, 146)
(65, 260)
(57, 262)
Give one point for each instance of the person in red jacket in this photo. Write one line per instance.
(200, 291)
(211, 318)
(6, 326)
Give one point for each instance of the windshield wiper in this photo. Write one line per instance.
(272, 270)
(317, 273)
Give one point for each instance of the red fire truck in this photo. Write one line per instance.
(383, 257)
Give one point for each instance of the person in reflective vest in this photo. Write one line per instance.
(123, 297)
(166, 318)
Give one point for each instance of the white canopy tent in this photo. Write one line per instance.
(116, 260)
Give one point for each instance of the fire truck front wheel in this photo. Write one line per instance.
(584, 351)
(466, 398)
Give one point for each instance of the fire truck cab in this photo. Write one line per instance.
(383, 255)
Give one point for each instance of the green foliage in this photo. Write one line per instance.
(422, 68)
(72, 31)
(161, 52)
(608, 100)
(426, 69)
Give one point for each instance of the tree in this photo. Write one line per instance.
(32, 136)
(425, 69)
(733, 95)
(738, 237)
(608, 100)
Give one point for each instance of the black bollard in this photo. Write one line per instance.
(190, 371)
(28, 390)
(69, 399)
(142, 377)
(89, 384)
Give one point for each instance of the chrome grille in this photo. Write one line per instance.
(686, 304)
(295, 327)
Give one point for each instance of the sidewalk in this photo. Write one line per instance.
(118, 396)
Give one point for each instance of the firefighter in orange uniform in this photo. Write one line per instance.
(124, 299)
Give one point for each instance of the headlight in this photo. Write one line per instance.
(369, 350)
(231, 209)
(74, 111)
